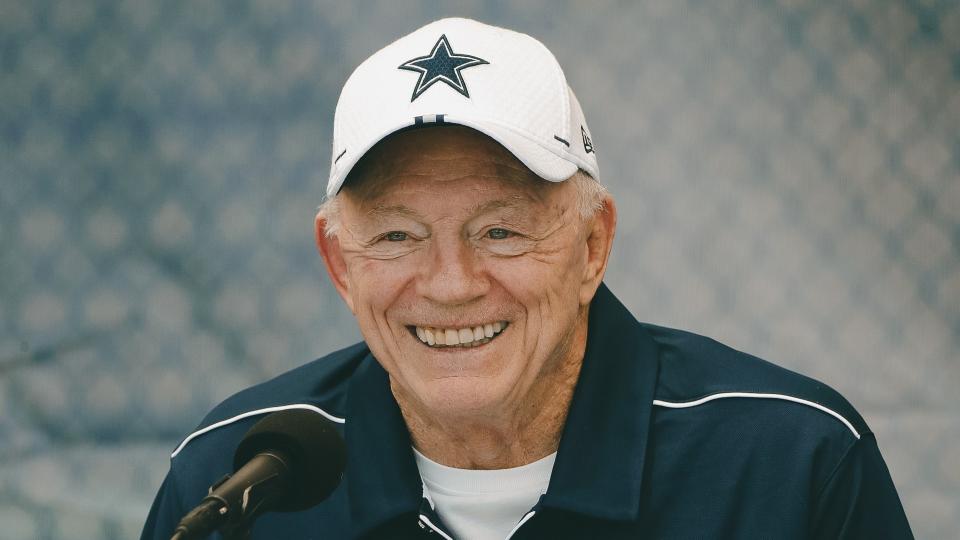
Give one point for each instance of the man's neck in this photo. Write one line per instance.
(500, 441)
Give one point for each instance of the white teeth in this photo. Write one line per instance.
(452, 337)
(467, 337)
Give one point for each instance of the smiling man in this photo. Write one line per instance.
(501, 390)
(471, 279)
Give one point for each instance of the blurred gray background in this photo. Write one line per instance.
(788, 177)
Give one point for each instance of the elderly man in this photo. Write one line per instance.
(501, 390)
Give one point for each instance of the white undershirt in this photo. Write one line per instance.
(483, 505)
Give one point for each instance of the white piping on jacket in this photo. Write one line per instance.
(523, 520)
(425, 519)
(701, 401)
(248, 414)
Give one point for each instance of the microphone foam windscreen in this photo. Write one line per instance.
(316, 452)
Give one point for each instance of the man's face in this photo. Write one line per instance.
(469, 277)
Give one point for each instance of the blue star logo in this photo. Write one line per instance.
(442, 64)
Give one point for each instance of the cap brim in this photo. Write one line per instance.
(541, 161)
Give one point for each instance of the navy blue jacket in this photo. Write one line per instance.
(670, 435)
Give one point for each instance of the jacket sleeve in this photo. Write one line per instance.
(165, 512)
(858, 500)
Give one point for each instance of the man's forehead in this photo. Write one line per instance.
(387, 208)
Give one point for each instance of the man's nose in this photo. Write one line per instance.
(452, 274)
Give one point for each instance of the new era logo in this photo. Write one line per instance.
(587, 143)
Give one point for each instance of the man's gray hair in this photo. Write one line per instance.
(590, 197)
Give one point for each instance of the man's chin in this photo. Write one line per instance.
(460, 396)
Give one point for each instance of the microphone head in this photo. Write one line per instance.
(314, 449)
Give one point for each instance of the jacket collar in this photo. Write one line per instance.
(599, 467)
(383, 480)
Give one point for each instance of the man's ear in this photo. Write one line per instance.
(329, 248)
(601, 229)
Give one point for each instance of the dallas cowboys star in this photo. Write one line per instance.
(442, 64)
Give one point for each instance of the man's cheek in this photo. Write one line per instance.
(377, 277)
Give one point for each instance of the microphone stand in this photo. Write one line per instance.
(235, 501)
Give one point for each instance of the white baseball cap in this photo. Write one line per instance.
(502, 83)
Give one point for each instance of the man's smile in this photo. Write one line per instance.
(473, 336)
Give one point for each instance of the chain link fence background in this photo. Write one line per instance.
(788, 177)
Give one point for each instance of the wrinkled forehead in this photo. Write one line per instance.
(444, 158)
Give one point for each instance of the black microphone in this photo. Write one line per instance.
(288, 461)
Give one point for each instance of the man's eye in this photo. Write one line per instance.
(498, 233)
(395, 236)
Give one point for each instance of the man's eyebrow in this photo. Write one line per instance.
(513, 203)
(388, 210)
